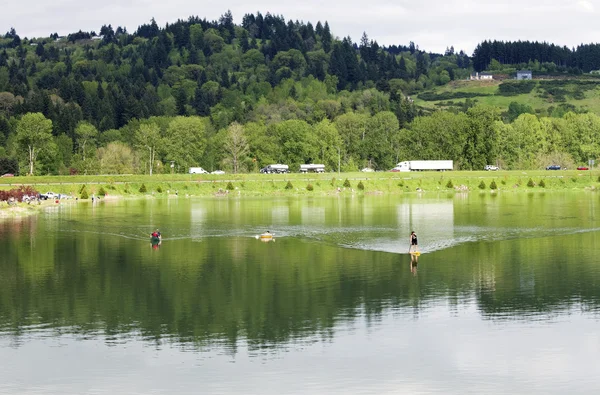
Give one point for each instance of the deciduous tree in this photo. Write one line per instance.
(34, 131)
(236, 145)
(148, 138)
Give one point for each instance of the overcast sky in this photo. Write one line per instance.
(433, 25)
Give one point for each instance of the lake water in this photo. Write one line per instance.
(504, 299)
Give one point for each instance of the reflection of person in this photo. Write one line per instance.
(156, 239)
(414, 260)
(413, 242)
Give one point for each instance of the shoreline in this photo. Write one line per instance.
(24, 210)
(109, 188)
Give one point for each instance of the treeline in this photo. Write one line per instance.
(198, 67)
(535, 55)
(351, 141)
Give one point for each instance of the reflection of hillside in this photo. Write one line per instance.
(232, 288)
(82, 277)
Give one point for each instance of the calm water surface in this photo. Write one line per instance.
(504, 299)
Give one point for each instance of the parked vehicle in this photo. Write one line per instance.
(8, 175)
(217, 172)
(47, 195)
(423, 165)
(491, 168)
(276, 168)
(367, 170)
(583, 168)
(197, 170)
(395, 170)
(312, 167)
(553, 167)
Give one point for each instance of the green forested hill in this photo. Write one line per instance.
(238, 97)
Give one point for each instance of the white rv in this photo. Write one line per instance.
(312, 167)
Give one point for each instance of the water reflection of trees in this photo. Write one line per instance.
(227, 289)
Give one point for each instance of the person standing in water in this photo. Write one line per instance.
(413, 242)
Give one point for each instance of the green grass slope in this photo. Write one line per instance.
(579, 94)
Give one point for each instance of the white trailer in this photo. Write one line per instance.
(275, 168)
(312, 167)
(422, 165)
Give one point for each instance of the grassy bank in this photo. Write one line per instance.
(312, 184)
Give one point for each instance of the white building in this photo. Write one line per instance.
(524, 75)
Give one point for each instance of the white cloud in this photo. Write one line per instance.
(585, 6)
(431, 24)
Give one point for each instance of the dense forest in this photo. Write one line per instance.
(237, 97)
(584, 58)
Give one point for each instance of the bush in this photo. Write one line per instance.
(230, 186)
(347, 183)
(333, 182)
(493, 185)
(360, 186)
(482, 185)
(159, 189)
(449, 184)
(503, 182)
(289, 185)
(101, 192)
(401, 184)
(143, 189)
(84, 194)
(542, 184)
(17, 193)
(515, 88)
(530, 183)
(82, 188)
(309, 187)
